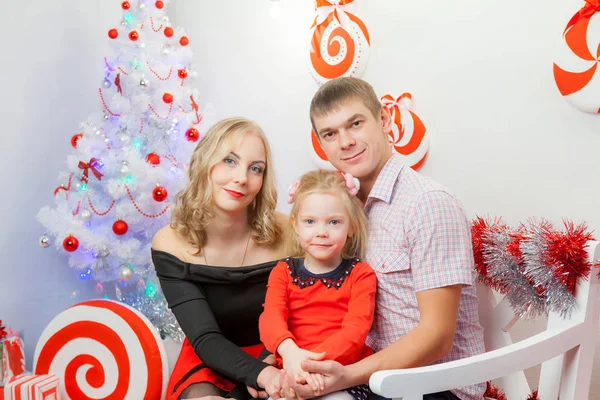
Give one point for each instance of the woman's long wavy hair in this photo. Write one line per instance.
(193, 208)
(322, 181)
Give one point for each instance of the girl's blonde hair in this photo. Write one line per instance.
(322, 181)
(193, 208)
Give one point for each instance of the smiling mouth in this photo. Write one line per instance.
(353, 157)
(235, 194)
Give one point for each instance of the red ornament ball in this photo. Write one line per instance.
(168, 31)
(159, 4)
(120, 227)
(168, 98)
(182, 73)
(113, 33)
(153, 158)
(70, 243)
(133, 35)
(184, 41)
(75, 139)
(125, 5)
(192, 134)
(159, 193)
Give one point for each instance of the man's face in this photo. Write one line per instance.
(354, 140)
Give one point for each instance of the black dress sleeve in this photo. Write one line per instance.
(189, 305)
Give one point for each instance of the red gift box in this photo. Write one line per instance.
(32, 387)
(13, 358)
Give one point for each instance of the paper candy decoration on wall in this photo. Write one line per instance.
(576, 67)
(103, 349)
(339, 42)
(407, 136)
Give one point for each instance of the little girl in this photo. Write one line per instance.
(322, 299)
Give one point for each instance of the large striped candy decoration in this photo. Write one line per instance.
(408, 135)
(339, 42)
(102, 349)
(318, 155)
(576, 67)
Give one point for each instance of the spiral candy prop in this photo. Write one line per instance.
(102, 349)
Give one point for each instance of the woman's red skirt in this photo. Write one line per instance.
(189, 369)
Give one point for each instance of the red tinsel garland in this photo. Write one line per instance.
(533, 395)
(493, 392)
(534, 255)
(3, 332)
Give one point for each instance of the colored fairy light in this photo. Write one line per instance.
(150, 289)
(137, 143)
(128, 17)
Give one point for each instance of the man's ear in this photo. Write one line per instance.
(386, 120)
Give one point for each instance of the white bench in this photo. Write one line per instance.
(565, 350)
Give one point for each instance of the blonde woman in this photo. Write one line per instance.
(214, 260)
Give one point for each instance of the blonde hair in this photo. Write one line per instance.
(322, 181)
(334, 92)
(193, 208)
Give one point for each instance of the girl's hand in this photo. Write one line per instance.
(292, 361)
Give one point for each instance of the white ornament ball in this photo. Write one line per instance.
(125, 273)
(144, 82)
(124, 138)
(85, 214)
(44, 241)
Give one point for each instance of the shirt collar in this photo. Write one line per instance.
(385, 182)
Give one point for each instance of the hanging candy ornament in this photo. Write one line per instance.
(44, 241)
(407, 136)
(153, 158)
(125, 5)
(70, 243)
(133, 35)
(75, 139)
(340, 42)
(184, 41)
(168, 32)
(167, 98)
(120, 227)
(113, 33)
(576, 67)
(182, 73)
(159, 193)
(159, 4)
(192, 134)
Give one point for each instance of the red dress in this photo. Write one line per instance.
(329, 313)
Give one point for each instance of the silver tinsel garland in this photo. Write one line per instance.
(155, 309)
(535, 248)
(503, 267)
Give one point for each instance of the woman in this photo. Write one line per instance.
(214, 260)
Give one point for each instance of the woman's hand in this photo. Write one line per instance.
(270, 359)
(269, 379)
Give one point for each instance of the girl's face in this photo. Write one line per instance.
(237, 179)
(322, 226)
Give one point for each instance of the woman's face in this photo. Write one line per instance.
(238, 177)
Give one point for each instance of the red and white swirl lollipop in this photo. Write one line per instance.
(339, 42)
(407, 136)
(102, 349)
(576, 67)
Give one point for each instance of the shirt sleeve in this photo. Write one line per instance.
(273, 322)
(347, 344)
(439, 239)
(191, 309)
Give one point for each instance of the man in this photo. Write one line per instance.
(419, 246)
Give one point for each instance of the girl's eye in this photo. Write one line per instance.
(334, 222)
(308, 221)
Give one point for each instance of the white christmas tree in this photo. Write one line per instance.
(129, 161)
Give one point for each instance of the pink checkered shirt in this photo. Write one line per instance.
(419, 239)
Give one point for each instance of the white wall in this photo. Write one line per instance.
(480, 73)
